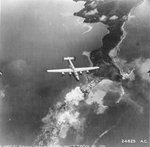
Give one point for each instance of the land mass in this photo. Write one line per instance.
(112, 13)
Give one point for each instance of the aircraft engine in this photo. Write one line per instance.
(87, 71)
(63, 74)
(70, 73)
(80, 72)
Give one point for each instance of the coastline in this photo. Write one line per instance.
(106, 57)
(114, 53)
(87, 54)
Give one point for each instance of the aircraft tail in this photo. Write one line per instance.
(69, 58)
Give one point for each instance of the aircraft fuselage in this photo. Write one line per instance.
(74, 70)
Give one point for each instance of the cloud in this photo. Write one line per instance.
(92, 12)
(114, 17)
(103, 18)
(64, 117)
(66, 120)
(97, 94)
(74, 97)
(143, 66)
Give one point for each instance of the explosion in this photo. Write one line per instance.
(66, 116)
(62, 118)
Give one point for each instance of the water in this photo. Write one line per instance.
(35, 37)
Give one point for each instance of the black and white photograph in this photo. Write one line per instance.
(74, 73)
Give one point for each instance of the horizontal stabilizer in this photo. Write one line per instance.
(69, 58)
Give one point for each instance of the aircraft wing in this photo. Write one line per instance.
(60, 70)
(86, 68)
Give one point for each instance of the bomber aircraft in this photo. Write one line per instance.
(72, 70)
